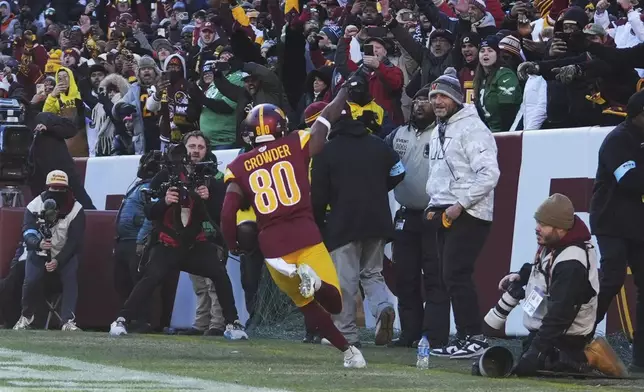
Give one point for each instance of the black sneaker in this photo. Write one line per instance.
(312, 338)
(401, 342)
(190, 332)
(140, 327)
(636, 371)
(447, 351)
(214, 332)
(472, 347)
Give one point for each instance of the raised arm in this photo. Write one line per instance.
(330, 114)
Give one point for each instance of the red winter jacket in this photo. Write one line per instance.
(385, 85)
(495, 8)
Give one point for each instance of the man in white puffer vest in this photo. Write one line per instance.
(561, 288)
(53, 237)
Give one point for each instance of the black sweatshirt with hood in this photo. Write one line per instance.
(353, 176)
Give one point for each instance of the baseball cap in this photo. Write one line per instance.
(594, 29)
(208, 26)
(57, 178)
(376, 39)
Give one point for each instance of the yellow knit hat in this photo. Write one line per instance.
(53, 64)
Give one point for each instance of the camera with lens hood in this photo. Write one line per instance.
(498, 315)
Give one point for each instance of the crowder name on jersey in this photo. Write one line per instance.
(267, 156)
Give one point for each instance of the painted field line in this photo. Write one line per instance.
(23, 371)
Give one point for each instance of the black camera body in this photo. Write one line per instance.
(221, 66)
(515, 289)
(15, 142)
(175, 161)
(46, 220)
(497, 316)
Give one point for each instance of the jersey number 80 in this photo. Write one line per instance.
(276, 187)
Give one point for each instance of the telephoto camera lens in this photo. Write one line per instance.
(498, 315)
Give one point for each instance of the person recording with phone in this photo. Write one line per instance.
(176, 99)
(42, 92)
(385, 80)
(65, 100)
(571, 72)
(53, 231)
(185, 203)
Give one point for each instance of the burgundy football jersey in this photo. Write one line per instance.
(275, 180)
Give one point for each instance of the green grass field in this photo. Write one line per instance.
(274, 364)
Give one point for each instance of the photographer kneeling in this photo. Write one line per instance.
(561, 288)
(53, 230)
(179, 214)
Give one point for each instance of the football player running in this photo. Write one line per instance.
(274, 178)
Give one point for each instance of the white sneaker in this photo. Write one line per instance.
(447, 351)
(118, 327)
(353, 358)
(473, 346)
(235, 331)
(325, 342)
(23, 323)
(70, 325)
(310, 282)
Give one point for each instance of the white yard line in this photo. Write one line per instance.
(26, 371)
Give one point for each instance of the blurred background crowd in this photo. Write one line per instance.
(134, 75)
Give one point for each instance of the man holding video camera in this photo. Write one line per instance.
(559, 315)
(182, 213)
(53, 231)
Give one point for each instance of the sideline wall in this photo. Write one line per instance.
(533, 165)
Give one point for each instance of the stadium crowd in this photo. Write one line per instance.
(130, 77)
(135, 74)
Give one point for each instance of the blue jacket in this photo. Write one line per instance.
(145, 231)
(131, 217)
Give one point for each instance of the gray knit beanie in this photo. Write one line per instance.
(557, 211)
(449, 85)
(148, 62)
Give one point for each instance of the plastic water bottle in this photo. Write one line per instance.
(422, 359)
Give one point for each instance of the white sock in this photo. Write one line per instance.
(282, 266)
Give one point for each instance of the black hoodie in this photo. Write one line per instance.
(352, 175)
(49, 152)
